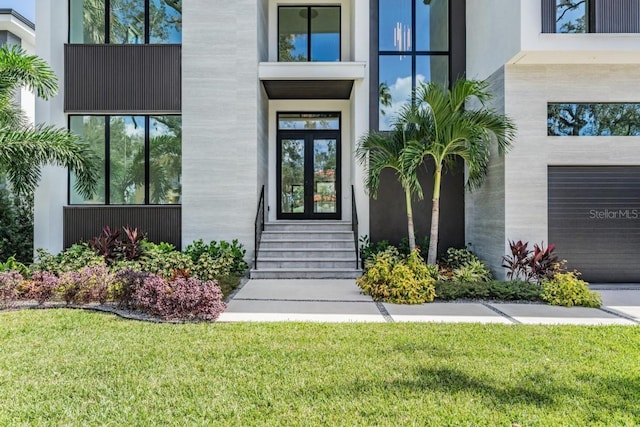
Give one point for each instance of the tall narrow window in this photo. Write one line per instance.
(413, 46)
(572, 16)
(86, 21)
(165, 22)
(92, 130)
(308, 33)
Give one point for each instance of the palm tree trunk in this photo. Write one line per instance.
(435, 217)
(412, 236)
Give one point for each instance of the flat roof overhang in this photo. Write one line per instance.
(576, 57)
(310, 80)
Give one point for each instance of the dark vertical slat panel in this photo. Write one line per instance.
(123, 78)
(617, 16)
(594, 220)
(548, 16)
(160, 223)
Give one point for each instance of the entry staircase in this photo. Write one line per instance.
(306, 250)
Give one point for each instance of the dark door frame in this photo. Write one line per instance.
(308, 135)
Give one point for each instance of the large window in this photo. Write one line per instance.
(413, 47)
(140, 158)
(590, 16)
(308, 33)
(125, 21)
(603, 119)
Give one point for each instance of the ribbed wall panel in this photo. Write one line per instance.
(617, 16)
(160, 223)
(123, 78)
(594, 220)
(548, 16)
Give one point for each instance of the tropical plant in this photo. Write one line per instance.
(25, 148)
(378, 151)
(394, 279)
(531, 265)
(369, 249)
(436, 125)
(16, 225)
(567, 289)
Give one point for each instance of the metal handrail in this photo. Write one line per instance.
(354, 225)
(259, 227)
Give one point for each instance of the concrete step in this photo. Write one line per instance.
(306, 273)
(306, 253)
(306, 234)
(307, 225)
(307, 243)
(313, 263)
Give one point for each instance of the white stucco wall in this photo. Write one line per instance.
(51, 194)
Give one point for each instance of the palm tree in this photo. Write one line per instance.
(381, 150)
(25, 148)
(439, 127)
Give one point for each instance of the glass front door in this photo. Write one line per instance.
(309, 174)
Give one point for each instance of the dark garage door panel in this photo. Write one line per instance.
(594, 220)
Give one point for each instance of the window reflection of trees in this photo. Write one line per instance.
(127, 21)
(621, 119)
(127, 159)
(571, 16)
(292, 179)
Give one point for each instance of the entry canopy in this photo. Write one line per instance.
(310, 80)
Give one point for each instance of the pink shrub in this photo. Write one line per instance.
(42, 286)
(9, 282)
(91, 284)
(180, 298)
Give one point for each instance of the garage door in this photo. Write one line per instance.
(594, 220)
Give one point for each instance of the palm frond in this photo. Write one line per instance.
(25, 150)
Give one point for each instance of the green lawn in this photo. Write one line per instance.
(71, 367)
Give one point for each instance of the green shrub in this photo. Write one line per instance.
(473, 271)
(498, 290)
(167, 264)
(368, 249)
(75, 258)
(229, 257)
(12, 265)
(456, 258)
(16, 224)
(396, 280)
(567, 289)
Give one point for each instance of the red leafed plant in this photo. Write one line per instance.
(536, 265)
(112, 247)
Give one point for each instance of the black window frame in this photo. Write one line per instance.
(107, 24)
(107, 160)
(589, 108)
(456, 53)
(309, 7)
(304, 133)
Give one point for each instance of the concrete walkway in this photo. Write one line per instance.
(341, 301)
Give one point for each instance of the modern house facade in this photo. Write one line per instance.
(217, 123)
